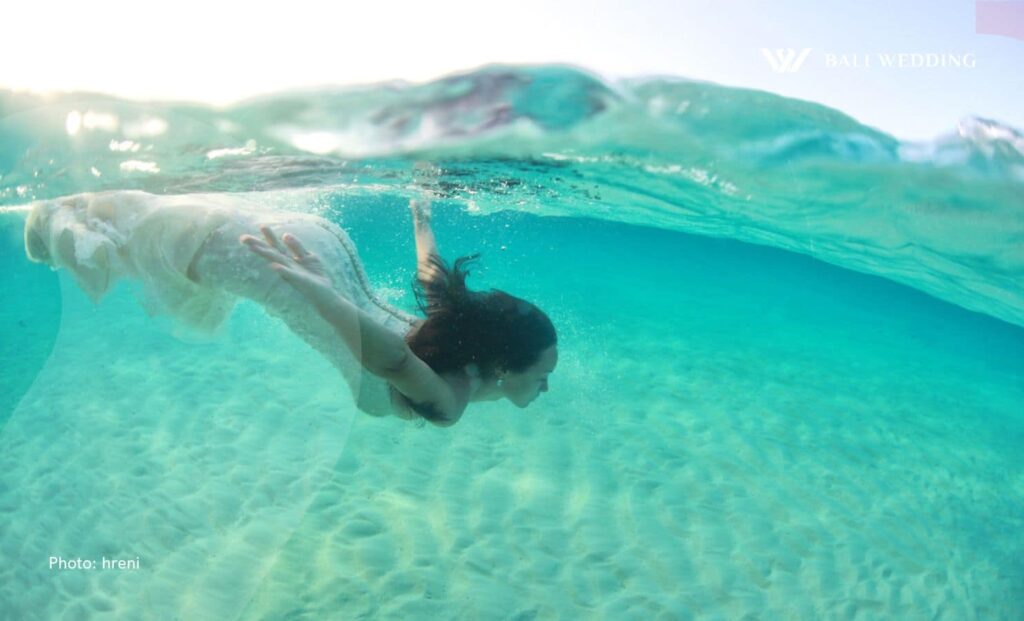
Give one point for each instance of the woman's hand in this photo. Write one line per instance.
(301, 269)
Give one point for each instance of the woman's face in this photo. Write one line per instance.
(523, 387)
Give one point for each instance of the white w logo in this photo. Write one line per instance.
(787, 59)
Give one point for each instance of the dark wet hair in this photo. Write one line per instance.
(495, 330)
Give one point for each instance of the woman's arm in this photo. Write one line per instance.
(386, 355)
(378, 350)
(426, 245)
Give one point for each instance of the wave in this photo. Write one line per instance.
(943, 216)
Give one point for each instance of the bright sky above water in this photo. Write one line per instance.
(220, 52)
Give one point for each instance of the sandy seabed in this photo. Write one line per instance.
(663, 477)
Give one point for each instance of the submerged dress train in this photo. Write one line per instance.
(185, 252)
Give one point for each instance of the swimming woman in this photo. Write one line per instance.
(197, 254)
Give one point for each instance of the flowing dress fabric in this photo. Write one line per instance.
(185, 252)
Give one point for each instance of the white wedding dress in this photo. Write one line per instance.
(185, 251)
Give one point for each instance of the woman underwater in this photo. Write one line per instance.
(195, 255)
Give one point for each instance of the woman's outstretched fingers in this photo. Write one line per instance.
(261, 248)
(272, 239)
(295, 245)
(254, 242)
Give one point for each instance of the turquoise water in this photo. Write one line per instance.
(790, 385)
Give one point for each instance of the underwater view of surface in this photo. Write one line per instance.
(790, 377)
